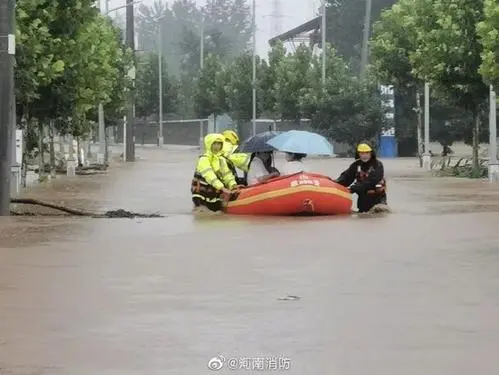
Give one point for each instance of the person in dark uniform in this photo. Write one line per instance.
(366, 178)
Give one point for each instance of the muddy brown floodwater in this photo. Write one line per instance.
(415, 292)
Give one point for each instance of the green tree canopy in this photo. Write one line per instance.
(70, 59)
(210, 95)
(291, 81)
(147, 87)
(448, 55)
(36, 62)
(394, 39)
(267, 79)
(488, 30)
(228, 27)
(345, 25)
(239, 88)
(226, 31)
(347, 109)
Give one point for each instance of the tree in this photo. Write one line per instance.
(147, 87)
(347, 109)
(226, 30)
(267, 79)
(448, 124)
(394, 39)
(148, 21)
(36, 64)
(238, 88)
(175, 22)
(114, 109)
(187, 21)
(488, 30)
(448, 55)
(345, 25)
(59, 98)
(228, 23)
(95, 73)
(210, 97)
(69, 58)
(291, 81)
(226, 26)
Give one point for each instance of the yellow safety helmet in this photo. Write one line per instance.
(364, 147)
(231, 136)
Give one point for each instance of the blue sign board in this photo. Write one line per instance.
(387, 140)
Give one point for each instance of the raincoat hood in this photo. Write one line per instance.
(209, 140)
(231, 136)
(228, 149)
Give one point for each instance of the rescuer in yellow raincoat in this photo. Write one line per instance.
(212, 177)
(235, 160)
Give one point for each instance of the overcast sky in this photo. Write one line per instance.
(294, 13)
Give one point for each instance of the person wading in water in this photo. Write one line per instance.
(366, 178)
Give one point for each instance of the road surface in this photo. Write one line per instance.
(415, 292)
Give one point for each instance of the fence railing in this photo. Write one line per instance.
(190, 132)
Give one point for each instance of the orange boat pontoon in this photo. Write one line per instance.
(300, 193)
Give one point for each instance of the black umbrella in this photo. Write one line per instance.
(258, 143)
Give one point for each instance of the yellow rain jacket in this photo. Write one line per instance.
(212, 172)
(235, 159)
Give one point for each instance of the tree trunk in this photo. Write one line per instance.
(419, 112)
(78, 153)
(24, 164)
(62, 144)
(52, 150)
(41, 148)
(92, 140)
(106, 146)
(476, 140)
(120, 213)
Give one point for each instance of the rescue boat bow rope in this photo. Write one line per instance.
(120, 213)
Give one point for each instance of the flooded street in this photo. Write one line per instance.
(415, 292)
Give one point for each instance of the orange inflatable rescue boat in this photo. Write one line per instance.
(300, 193)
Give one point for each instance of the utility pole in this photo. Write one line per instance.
(100, 112)
(201, 66)
(323, 35)
(102, 134)
(419, 128)
(254, 66)
(201, 45)
(160, 83)
(365, 38)
(426, 154)
(493, 163)
(130, 42)
(7, 53)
